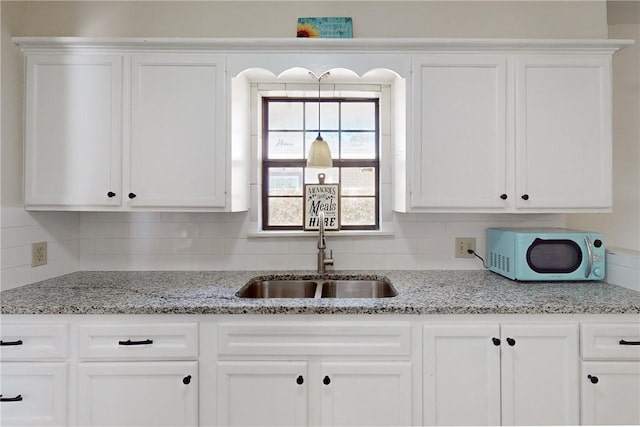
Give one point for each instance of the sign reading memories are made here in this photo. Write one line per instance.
(321, 197)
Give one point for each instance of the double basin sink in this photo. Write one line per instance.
(352, 287)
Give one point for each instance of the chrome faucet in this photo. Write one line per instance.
(323, 260)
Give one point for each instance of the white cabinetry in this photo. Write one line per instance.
(563, 132)
(138, 374)
(514, 374)
(327, 373)
(460, 144)
(610, 374)
(127, 131)
(33, 378)
(177, 131)
(511, 133)
(73, 130)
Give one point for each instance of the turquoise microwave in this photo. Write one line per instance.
(545, 254)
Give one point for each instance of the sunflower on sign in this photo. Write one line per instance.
(307, 30)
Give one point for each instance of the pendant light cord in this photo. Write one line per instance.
(315, 76)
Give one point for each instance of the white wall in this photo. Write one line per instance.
(622, 227)
(219, 241)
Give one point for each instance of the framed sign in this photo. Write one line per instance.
(321, 197)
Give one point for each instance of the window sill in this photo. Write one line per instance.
(332, 234)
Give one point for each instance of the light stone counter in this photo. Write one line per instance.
(213, 292)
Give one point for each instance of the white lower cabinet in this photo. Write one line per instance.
(33, 394)
(610, 374)
(262, 393)
(138, 393)
(511, 374)
(277, 393)
(611, 393)
(365, 393)
(329, 370)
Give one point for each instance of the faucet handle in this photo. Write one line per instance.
(329, 260)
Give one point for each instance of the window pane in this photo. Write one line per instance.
(285, 115)
(311, 175)
(358, 182)
(285, 145)
(358, 116)
(285, 181)
(328, 116)
(358, 145)
(330, 137)
(285, 211)
(357, 211)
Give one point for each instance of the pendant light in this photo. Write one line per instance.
(319, 152)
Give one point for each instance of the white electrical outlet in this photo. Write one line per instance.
(464, 245)
(38, 254)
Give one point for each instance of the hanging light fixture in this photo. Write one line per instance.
(319, 152)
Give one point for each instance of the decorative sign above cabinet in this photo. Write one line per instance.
(477, 125)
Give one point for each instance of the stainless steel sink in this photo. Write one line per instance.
(317, 288)
(278, 289)
(358, 289)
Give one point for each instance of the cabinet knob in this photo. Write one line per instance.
(300, 380)
(504, 196)
(132, 195)
(326, 380)
(593, 379)
(496, 341)
(525, 197)
(111, 194)
(511, 342)
(186, 380)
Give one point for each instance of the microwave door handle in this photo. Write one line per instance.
(587, 272)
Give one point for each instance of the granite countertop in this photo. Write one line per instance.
(213, 292)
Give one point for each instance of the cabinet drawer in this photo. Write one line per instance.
(36, 393)
(28, 341)
(326, 338)
(618, 341)
(138, 341)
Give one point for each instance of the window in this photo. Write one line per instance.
(351, 127)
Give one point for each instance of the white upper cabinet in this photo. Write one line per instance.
(73, 130)
(128, 132)
(460, 150)
(510, 133)
(563, 132)
(177, 131)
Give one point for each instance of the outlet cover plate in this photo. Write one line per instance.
(38, 254)
(463, 244)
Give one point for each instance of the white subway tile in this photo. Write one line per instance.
(103, 230)
(161, 230)
(18, 276)
(18, 236)
(129, 246)
(193, 217)
(384, 245)
(195, 246)
(16, 217)
(261, 246)
(16, 257)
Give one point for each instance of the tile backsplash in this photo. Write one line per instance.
(229, 241)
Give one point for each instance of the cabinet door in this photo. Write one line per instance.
(262, 393)
(365, 393)
(563, 132)
(460, 142)
(73, 130)
(33, 394)
(138, 393)
(461, 370)
(540, 374)
(177, 131)
(610, 393)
